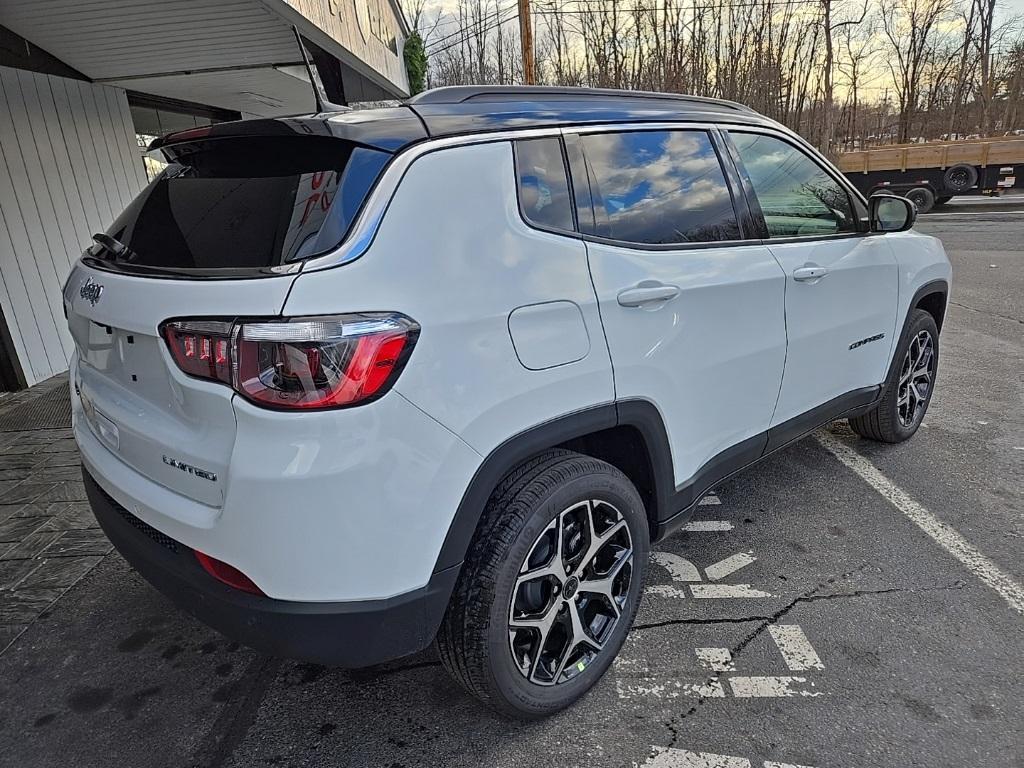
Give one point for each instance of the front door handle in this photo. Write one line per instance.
(647, 292)
(808, 273)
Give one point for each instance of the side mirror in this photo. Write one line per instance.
(890, 213)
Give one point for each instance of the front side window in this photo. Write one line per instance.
(797, 197)
(658, 187)
(543, 186)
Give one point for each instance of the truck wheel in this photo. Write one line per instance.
(922, 197)
(905, 401)
(943, 200)
(550, 585)
(960, 177)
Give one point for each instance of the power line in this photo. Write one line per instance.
(461, 31)
(497, 23)
(662, 6)
(493, 20)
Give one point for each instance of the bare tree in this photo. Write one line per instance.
(819, 66)
(911, 27)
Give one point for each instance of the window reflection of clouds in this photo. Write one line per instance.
(796, 196)
(660, 187)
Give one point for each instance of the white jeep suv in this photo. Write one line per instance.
(352, 383)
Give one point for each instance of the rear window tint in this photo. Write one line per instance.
(248, 203)
(543, 186)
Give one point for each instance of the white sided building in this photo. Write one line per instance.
(85, 86)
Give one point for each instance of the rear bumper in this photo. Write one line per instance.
(345, 634)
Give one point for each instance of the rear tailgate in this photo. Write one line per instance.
(174, 429)
(219, 234)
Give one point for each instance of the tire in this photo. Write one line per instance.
(477, 639)
(943, 200)
(890, 421)
(960, 177)
(922, 197)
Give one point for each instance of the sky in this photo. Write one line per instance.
(876, 88)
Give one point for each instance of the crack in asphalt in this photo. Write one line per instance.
(807, 597)
(987, 312)
(235, 721)
(810, 596)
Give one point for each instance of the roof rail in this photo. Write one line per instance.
(459, 94)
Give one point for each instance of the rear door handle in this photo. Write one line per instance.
(805, 274)
(647, 292)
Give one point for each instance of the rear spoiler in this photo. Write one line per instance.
(389, 129)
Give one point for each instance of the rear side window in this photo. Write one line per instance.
(543, 185)
(797, 197)
(658, 187)
(247, 203)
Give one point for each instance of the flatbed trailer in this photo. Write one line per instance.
(931, 174)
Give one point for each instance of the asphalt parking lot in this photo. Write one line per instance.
(842, 604)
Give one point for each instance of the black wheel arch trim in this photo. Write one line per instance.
(672, 503)
(929, 288)
(642, 415)
(502, 459)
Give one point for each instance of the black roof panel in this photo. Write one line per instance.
(461, 110)
(461, 94)
(473, 109)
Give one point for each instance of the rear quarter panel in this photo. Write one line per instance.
(453, 253)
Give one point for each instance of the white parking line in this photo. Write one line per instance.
(771, 686)
(948, 538)
(796, 649)
(678, 567)
(683, 758)
(708, 526)
(670, 689)
(723, 591)
(723, 568)
(670, 757)
(716, 659)
(634, 679)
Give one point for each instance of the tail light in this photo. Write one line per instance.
(301, 363)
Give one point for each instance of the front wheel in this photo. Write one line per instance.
(905, 401)
(550, 586)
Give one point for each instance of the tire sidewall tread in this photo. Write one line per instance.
(882, 422)
(473, 639)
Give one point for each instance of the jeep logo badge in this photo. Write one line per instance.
(91, 291)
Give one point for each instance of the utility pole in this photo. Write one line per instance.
(526, 38)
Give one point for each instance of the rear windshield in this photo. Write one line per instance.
(245, 203)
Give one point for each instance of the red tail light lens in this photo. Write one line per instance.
(227, 574)
(201, 348)
(302, 363)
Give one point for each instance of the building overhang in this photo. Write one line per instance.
(238, 55)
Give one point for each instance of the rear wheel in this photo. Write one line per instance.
(550, 586)
(922, 197)
(905, 401)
